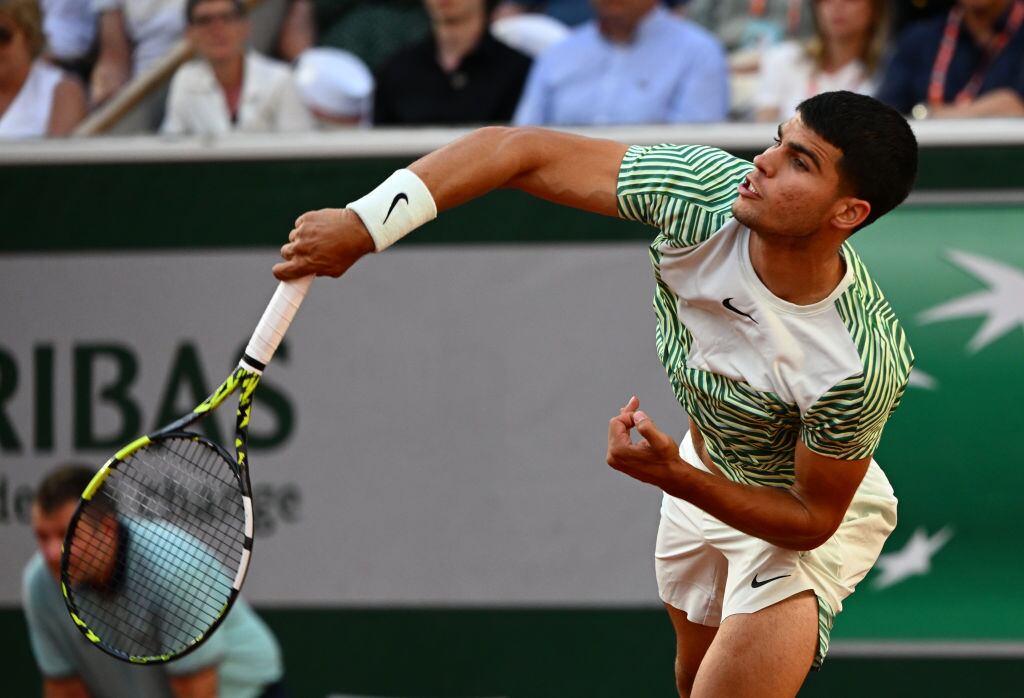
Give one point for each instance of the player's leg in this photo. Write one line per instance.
(692, 642)
(765, 654)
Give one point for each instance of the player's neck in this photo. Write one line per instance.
(801, 270)
(229, 73)
(842, 52)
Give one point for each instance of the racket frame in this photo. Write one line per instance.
(244, 380)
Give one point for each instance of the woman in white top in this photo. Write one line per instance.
(36, 99)
(845, 54)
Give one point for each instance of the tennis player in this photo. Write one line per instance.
(240, 660)
(780, 347)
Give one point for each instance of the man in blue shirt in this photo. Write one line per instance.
(240, 660)
(636, 63)
(966, 63)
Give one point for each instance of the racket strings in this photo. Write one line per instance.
(156, 549)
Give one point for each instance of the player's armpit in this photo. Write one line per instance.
(825, 486)
(71, 687)
(202, 684)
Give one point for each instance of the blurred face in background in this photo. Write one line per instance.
(15, 56)
(49, 528)
(984, 6)
(845, 20)
(454, 11)
(218, 30)
(622, 11)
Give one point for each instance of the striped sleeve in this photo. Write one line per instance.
(683, 190)
(847, 421)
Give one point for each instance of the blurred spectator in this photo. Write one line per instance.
(70, 28)
(636, 63)
(228, 88)
(529, 33)
(968, 63)
(850, 38)
(36, 99)
(242, 659)
(460, 74)
(906, 12)
(335, 86)
(753, 24)
(373, 30)
(571, 12)
(133, 35)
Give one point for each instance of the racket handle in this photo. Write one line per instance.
(275, 321)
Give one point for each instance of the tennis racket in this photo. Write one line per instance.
(159, 545)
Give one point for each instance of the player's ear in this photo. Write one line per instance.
(850, 212)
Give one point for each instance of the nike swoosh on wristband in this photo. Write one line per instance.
(394, 202)
(760, 583)
(730, 306)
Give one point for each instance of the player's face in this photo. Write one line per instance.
(795, 189)
(218, 31)
(49, 529)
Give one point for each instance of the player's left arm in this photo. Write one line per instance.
(201, 684)
(799, 518)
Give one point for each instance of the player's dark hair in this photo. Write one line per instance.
(879, 160)
(240, 8)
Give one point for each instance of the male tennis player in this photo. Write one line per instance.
(778, 344)
(240, 660)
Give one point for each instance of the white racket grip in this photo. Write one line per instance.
(276, 319)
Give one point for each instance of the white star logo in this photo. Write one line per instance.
(915, 558)
(1001, 303)
(920, 379)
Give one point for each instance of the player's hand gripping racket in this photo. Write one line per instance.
(159, 545)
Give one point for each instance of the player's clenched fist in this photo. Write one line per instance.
(325, 243)
(653, 459)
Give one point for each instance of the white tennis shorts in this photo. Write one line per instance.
(711, 571)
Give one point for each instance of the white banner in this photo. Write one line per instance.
(433, 429)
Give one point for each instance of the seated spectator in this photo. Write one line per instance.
(373, 31)
(228, 88)
(636, 63)
(845, 53)
(134, 34)
(529, 33)
(968, 63)
(335, 86)
(70, 28)
(460, 74)
(753, 24)
(241, 659)
(36, 99)
(906, 12)
(570, 12)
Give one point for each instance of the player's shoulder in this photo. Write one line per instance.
(691, 158)
(874, 327)
(695, 36)
(686, 168)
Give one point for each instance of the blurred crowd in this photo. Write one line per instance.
(358, 63)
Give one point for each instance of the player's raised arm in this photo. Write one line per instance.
(564, 168)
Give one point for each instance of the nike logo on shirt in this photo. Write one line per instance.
(729, 306)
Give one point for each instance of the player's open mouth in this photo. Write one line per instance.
(749, 190)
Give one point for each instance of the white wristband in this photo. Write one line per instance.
(394, 209)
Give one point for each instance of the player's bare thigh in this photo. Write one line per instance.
(766, 654)
(692, 642)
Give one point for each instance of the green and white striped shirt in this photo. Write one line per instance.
(753, 371)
